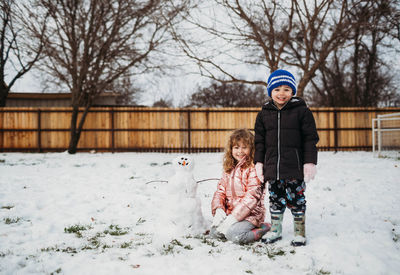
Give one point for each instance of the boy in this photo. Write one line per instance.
(285, 153)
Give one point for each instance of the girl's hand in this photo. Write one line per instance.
(219, 217)
(226, 224)
(259, 171)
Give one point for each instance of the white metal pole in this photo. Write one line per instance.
(379, 136)
(373, 136)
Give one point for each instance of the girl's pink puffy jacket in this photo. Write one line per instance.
(239, 193)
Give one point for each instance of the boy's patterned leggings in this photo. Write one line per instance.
(287, 193)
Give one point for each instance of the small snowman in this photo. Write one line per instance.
(185, 206)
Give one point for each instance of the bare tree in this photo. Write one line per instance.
(268, 35)
(357, 75)
(92, 43)
(127, 92)
(228, 95)
(163, 103)
(17, 53)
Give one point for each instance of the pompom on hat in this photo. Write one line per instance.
(279, 78)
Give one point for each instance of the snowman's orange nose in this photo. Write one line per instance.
(183, 163)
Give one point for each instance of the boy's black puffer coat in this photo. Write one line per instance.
(285, 139)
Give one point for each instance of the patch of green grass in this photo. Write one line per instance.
(76, 229)
(57, 271)
(8, 207)
(205, 240)
(126, 245)
(94, 242)
(50, 248)
(170, 248)
(396, 236)
(68, 249)
(57, 249)
(167, 249)
(115, 230)
(249, 272)
(273, 253)
(11, 220)
(140, 221)
(270, 251)
(2, 160)
(389, 157)
(322, 272)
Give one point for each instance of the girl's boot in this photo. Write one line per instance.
(260, 231)
(299, 229)
(275, 233)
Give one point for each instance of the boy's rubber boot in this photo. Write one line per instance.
(299, 229)
(275, 233)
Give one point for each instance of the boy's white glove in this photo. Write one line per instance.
(310, 170)
(226, 224)
(259, 171)
(219, 217)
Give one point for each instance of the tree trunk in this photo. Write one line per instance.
(74, 135)
(3, 94)
(75, 132)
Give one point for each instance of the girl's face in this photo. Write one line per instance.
(240, 150)
(281, 95)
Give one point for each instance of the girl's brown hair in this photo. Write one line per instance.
(239, 135)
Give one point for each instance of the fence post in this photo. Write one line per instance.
(112, 130)
(39, 130)
(335, 131)
(189, 132)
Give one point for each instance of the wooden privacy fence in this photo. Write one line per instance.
(168, 129)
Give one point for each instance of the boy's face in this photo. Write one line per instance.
(281, 95)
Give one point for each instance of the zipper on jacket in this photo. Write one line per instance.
(279, 138)
(298, 159)
(279, 144)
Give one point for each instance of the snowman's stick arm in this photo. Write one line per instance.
(207, 180)
(167, 181)
(156, 181)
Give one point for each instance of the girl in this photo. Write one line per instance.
(238, 204)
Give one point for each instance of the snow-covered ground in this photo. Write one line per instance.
(97, 214)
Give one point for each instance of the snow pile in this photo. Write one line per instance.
(100, 214)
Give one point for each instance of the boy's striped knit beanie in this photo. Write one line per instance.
(279, 78)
